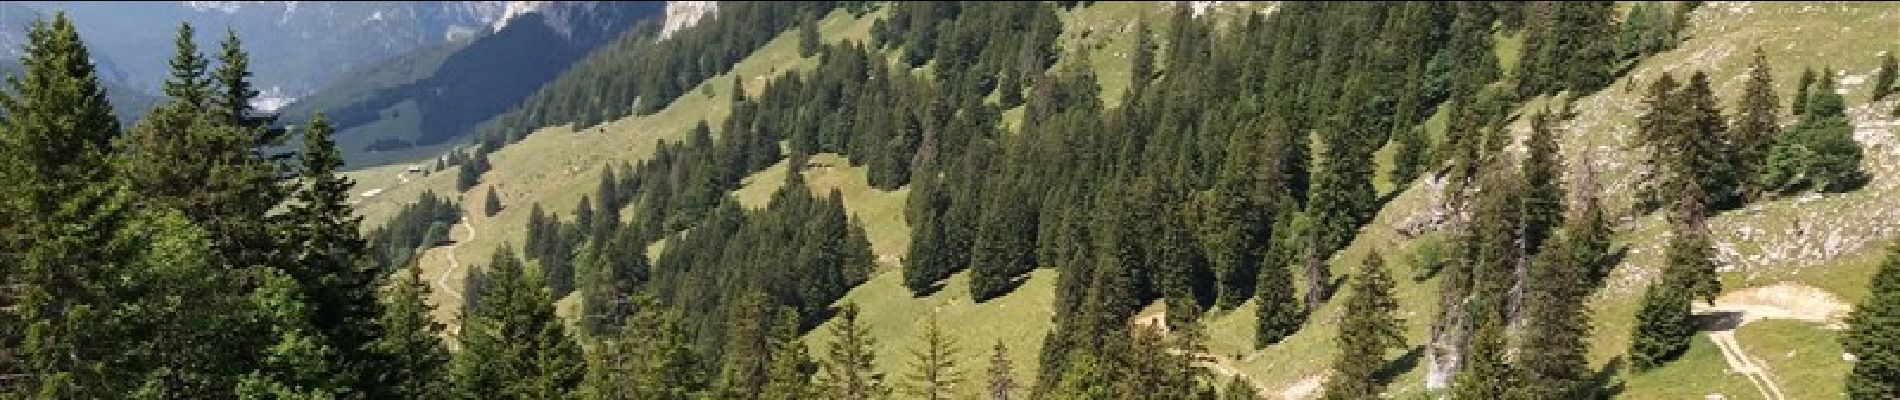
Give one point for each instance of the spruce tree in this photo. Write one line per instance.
(1002, 380)
(329, 259)
(1873, 336)
(934, 374)
(1690, 250)
(1487, 374)
(1279, 312)
(187, 84)
(234, 91)
(513, 345)
(1702, 156)
(62, 211)
(411, 344)
(1800, 106)
(1367, 331)
(1553, 350)
(789, 375)
(297, 362)
(1756, 128)
(1543, 195)
(808, 39)
(849, 368)
(648, 358)
(1663, 328)
(491, 204)
(1883, 80)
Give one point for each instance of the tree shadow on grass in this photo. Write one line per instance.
(1399, 366)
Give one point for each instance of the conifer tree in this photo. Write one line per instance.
(1369, 329)
(1410, 155)
(187, 84)
(410, 344)
(1002, 380)
(1543, 192)
(849, 369)
(934, 373)
(747, 347)
(1663, 328)
(789, 375)
(328, 261)
(1553, 350)
(808, 39)
(648, 358)
(1883, 79)
(1800, 106)
(491, 204)
(1873, 336)
(513, 346)
(234, 91)
(1486, 375)
(1756, 128)
(1279, 311)
(297, 362)
(1702, 159)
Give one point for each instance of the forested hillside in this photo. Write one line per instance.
(1065, 200)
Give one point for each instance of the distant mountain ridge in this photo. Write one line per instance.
(396, 108)
(296, 47)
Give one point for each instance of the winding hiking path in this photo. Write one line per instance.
(442, 281)
(1740, 362)
(1787, 301)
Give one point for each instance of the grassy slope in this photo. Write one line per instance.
(1814, 242)
(1794, 34)
(557, 166)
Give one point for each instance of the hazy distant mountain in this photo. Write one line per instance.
(395, 108)
(296, 47)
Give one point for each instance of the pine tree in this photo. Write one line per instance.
(491, 204)
(1702, 155)
(411, 343)
(329, 260)
(1663, 329)
(646, 359)
(1883, 80)
(1369, 329)
(1279, 312)
(1800, 106)
(1873, 336)
(1410, 155)
(1233, 217)
(1553, 350)
(62, 212)
(1486, 375)
(297, 362)
(1756, 128)
(1543, 195)
(849, 366)
(513, 345)
(789, 376)
(934, 374)
(234, 91)
(188, 85)
(1690, 249)
(747, 347)
(1002, 380)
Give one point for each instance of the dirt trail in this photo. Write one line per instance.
(1784, 300)
(1740, 362)
(442, 281)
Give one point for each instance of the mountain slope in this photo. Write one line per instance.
(408, 105)
(1828, 242)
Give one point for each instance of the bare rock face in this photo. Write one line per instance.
(685, 14)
